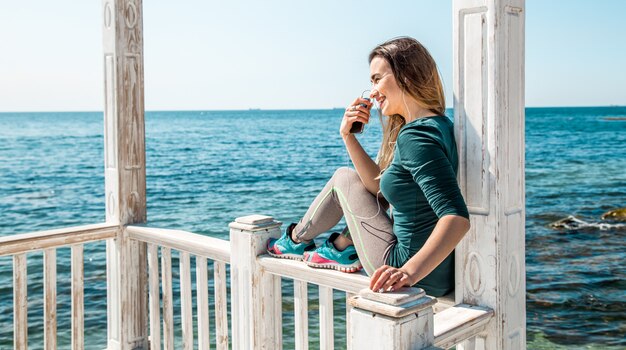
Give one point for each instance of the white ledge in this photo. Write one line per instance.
(193, 243)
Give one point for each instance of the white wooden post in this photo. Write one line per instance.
(253, 292)
(489, 123)
(389, 321)
(125, 172)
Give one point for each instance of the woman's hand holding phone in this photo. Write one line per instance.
(357, 112)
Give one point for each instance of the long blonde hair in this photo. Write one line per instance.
(416, 73)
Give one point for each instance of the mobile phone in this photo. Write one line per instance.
(357, 127)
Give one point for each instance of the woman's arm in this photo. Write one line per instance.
(448, 232)
(367, 169)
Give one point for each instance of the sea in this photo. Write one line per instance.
(205, 168)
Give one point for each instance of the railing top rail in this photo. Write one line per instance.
(193, 243)
(25, 242)
(347, 282)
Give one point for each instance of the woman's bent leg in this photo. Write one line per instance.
(370, 227)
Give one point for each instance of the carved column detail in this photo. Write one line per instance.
(125, 171)
(489, 123)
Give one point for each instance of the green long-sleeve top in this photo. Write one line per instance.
(421, 186)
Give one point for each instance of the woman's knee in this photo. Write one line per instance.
(346, 174)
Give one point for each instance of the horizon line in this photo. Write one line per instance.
(268, 109)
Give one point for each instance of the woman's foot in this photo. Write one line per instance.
(327, 256)
(284, 247)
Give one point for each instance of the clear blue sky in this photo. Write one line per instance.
(289, 54)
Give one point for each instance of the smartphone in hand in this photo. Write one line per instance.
(357, 127)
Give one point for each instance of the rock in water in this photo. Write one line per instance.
(615, 215)
(569, 223)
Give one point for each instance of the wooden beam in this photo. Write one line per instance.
(186, 310)
(221, 306)
(459, 323)
(327, 326)
(20, 302)
(154, 298)
(202, 303)
(50, 299)
(489, 124)
(252, 288)
(168, 300)
(27, 242)
(193, 243)
(78, 298)
(125, 172)
(301, 314)
(347, 282)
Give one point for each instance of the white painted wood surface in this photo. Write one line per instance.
(168, 300)
(459, 323)
(50, 299)
(27, 242)
(20, 302)
(327, 334)
(301, 314)
(297, 270)
(78, 298)
(278, 310)
(348, 325)
(193, 243)
(202, 303)
(252, 288)
(378, 324)
(221, 306)
(186, 311)
(489, 124)
(125, 171)
(154, 297)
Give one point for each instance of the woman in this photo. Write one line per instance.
(415, 172)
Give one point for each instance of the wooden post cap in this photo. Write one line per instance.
(254, 223)
(400, 303)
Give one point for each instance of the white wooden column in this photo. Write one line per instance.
(254, 296)
(125, 171)
(489, 123)
(389, 321)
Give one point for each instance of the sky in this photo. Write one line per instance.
(279, 54)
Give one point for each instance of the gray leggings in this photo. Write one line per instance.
(370, 228)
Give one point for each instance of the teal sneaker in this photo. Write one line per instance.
(327, 256)
(285, 248)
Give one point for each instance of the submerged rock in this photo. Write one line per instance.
(574, 223)
(569, 223)
(615, 215)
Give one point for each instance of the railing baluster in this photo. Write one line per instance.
(221, 307)
(50, 299)
(326, 318)
(202, 302)
(20, 302)
(185, 300)
(154, 301)
(278, 312)
(168, 307)
(348, 308)
(77, 297)
(301, 310)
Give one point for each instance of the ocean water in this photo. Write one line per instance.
(205, 168)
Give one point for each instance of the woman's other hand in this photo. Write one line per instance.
(355, 113)
(388, 279)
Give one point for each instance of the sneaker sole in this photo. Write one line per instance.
(286, 256)
(341, 268)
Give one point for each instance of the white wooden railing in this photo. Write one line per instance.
(405, 319)
(18, 246)
(203, 248)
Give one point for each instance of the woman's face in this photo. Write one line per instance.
(385, 89)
